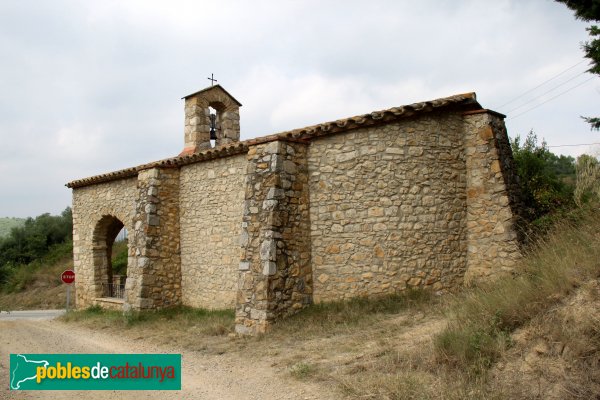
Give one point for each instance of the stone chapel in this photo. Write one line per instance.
(415, 196)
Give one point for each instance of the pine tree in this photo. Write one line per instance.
(589, 10)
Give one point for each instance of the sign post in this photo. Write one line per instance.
(68, 277)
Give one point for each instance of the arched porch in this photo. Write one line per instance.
(110, 274)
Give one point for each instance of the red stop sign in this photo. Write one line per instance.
(68, 276)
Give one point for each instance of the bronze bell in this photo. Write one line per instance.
(213, 126)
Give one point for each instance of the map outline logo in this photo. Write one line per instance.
(14, 371)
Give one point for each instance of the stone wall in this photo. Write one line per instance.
(275, 278)
(211, 202)
(491, 197)
(154, 267)
(91, 204)
(388, 208)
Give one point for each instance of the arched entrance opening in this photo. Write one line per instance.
(110, 258)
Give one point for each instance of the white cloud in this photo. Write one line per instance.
(78, 143)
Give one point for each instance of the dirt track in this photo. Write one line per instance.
(224, 376)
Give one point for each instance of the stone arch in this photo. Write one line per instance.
(218, 106)
(103, 237)
(220, 99)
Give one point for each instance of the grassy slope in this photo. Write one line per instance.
(6, 224)
(546, 318)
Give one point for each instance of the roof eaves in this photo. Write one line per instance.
(173, 162)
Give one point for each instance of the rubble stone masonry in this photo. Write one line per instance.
(211, 199)
(388, 208)
(492, 201)
(275, 278)
(154, 266)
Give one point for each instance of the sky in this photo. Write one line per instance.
(90, 87)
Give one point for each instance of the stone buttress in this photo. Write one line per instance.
(154, 266)
(275, 277)
(492, 197)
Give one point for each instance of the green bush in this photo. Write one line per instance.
(546, 180)
(35, 239)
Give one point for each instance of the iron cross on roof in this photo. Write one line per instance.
(212, 79)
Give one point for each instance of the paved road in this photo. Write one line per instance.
(33, 315)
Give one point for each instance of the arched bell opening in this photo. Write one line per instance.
(215, 116)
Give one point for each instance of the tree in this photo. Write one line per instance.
(589, 10)
(34, 239)
(588, 179)
(542, 177)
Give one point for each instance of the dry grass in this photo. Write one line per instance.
(36, 298)
(557, 354)
(331, 318)
(484, 318)
(185, 327)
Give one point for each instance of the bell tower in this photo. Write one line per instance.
(201, 125)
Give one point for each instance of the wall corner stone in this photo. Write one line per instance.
(492, 198)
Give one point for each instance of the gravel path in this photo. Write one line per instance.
(206, 377)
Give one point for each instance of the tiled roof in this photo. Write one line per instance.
(462, 102)
(466, 101)
(173, 162)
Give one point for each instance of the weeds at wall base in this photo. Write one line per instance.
(208, 322)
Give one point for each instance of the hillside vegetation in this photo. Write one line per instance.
(32, 256)
(6, 224)
(37, 285)
(540, 326)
